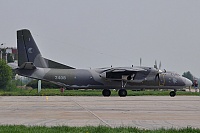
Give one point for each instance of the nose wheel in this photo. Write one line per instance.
(172, 93)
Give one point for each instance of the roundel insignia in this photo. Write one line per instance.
(30, 50)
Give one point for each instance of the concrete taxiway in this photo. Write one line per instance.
(148, 112)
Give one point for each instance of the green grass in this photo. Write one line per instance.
(56, 92)
(89, 129)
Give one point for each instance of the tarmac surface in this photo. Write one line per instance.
(148, 112)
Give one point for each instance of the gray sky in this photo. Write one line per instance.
(91, 33)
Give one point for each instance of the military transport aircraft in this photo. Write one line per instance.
(32, 64)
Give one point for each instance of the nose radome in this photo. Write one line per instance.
(187, 82)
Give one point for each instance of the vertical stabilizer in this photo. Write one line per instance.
(28, 50)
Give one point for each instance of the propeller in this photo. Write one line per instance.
(155, 65)
(140, 61)
(160, 65)
(159, 71)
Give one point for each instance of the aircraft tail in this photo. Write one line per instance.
(29, 56)
(28, 50)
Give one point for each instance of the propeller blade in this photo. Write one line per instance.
(140, 61)
(160, 65)
(155, 66)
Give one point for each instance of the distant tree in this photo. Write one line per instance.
(188, 75)
(5, 74)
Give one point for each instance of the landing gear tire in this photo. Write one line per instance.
(172, 93)
(122, 93)
(106, 92)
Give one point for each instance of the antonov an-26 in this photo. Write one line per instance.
(32, 64)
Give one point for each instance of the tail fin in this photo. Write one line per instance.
(28, 50)
(29, 55)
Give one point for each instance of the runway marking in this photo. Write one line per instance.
(92, 113)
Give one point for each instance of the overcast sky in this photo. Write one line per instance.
(92, 34)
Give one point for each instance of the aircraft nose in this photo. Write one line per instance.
(187, 82)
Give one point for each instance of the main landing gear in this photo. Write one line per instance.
(122, 92)
(106, 92)
(172, 93)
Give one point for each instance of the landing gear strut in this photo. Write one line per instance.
(172, 93)
(106, 92)
(122, 92)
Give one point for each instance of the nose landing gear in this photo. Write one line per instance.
(172, 93)
(122, 92)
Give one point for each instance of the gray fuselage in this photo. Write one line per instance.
(91, 79)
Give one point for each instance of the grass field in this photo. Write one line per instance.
(99, 129)
(56, 92)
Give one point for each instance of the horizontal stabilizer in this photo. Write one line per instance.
(28, 66)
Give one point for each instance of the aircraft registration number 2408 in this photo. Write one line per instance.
(60, 77)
